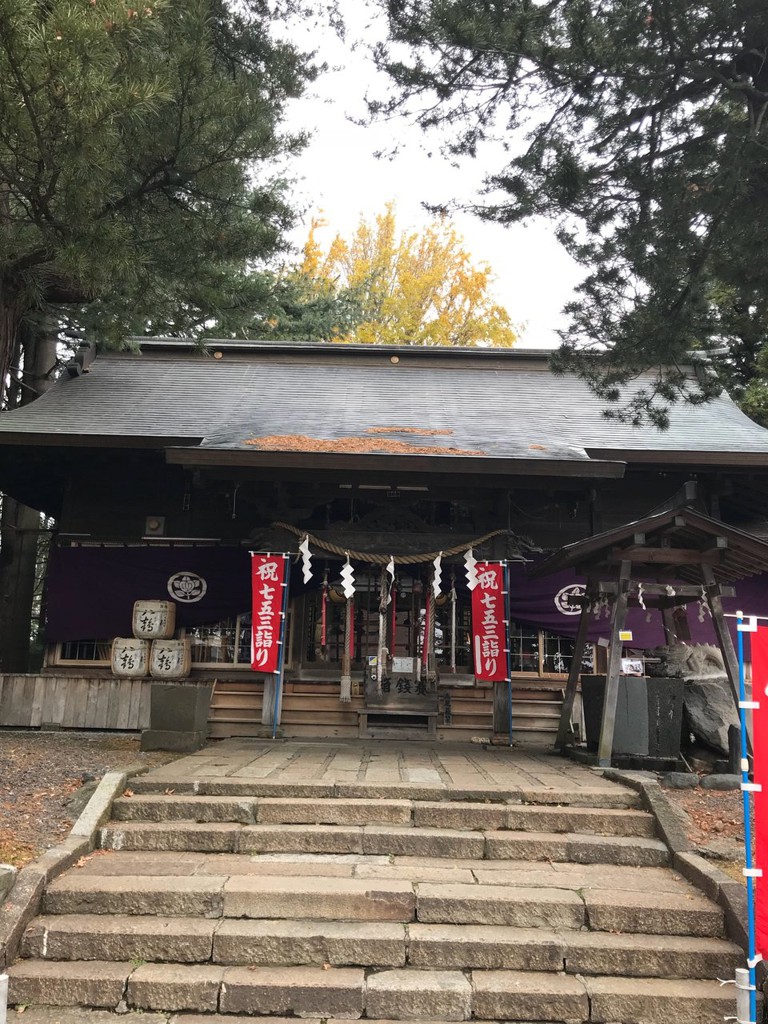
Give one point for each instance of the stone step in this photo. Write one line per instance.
(425, 814)
(600, 795)
(376, 944)
(386, 840)
(682, 912)
(396, 994)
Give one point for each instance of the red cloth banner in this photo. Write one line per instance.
(267, 578)
(759, 644)
(489, 639)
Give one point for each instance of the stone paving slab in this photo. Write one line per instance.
(513, 995)
(160, 807)
(273, 942)
(293, 810)
(169, 987)
(319, 899)
(119, 937)
(161, 836)
(606, 821)
(583, 876)
(300, 991)
(306, 838)
(141, 862)
(458, 946)
(424, 872)
(648, 956)
(519, 907)
(422, 842)
(93, 983)
(674, 914)
(407, 994)
(658, 1001)
(126, 894)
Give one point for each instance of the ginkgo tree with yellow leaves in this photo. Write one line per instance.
(409, 287)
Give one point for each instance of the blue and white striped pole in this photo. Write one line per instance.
(747, 787)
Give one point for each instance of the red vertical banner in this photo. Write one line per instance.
(267, 577)
(759, 644)
(489, 639)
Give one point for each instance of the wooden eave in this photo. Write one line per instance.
(589, 468)
(84, 441)
(682, 458)
(670, 545)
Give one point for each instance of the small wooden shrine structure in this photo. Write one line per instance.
(665, 561)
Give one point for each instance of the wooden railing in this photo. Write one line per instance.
(74, 702)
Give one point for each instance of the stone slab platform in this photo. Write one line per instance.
(386, 769)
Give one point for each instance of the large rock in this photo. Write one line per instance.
(708, 706)
(709, 711)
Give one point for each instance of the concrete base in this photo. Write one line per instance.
(173, 739)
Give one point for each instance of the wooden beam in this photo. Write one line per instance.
(724, 639)
(564, 729)
(668, 556)
(681, 590)
(605, 747)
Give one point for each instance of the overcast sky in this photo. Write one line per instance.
(340, 179)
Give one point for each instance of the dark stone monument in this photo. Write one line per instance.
(649, 715)
(178, 716)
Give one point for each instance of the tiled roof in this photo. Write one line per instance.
(505, 404)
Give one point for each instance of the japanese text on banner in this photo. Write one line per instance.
(267, 575)
(489, 634)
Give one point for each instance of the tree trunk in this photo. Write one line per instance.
(19, 525)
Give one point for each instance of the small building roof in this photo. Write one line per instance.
(689, 539)
(243, 402)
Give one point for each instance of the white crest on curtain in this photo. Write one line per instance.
(438, 574)
(306, 559)
(470, 564)
(348, 580)
(391, 571)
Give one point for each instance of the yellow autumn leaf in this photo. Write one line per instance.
(415, 287)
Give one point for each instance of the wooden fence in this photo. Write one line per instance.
(74, 702)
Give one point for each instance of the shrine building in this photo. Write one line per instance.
(395, 469)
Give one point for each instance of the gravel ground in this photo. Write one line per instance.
(46, 778)
(714, 823)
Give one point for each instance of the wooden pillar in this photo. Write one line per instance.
(268, 700)
(565, 729)
(605, 748)
(730, 659)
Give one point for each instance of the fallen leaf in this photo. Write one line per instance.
(127, 792)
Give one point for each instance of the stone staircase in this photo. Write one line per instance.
(286, 900)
